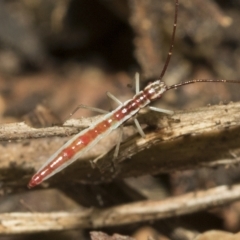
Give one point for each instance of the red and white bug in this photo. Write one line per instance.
(89, 137)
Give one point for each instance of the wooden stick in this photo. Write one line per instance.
(189, 139)
(16, 223)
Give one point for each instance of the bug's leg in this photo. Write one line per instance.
(137, 82)
(116, 151)
(139, 128)
(111, 96)
(114, 169)
(95, 160)
(98, 110)
(161, 110)
(112, 165)
(81, 106)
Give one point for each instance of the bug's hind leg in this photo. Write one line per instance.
(120, 136)
(98, 110)
(81, 106)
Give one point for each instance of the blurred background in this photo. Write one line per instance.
(63, 53)
(55, 55)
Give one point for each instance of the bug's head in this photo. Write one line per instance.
(155, 90)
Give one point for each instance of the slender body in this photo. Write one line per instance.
(89, 137)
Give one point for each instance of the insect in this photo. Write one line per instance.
(89, 137)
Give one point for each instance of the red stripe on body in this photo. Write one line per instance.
(69, 152)
(84, 140)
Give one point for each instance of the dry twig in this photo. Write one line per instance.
(12, 223)
(189, 139)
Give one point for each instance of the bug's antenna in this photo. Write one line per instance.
(201, 80)
(172, 41)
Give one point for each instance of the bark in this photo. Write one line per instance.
(207, 136)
